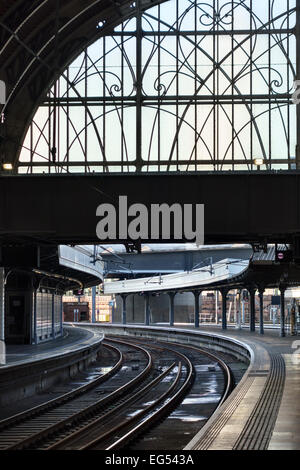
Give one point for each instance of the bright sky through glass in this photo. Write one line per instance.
(209, 101)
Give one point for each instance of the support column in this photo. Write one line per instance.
(197, 294)
(282, 311)
(238, 315)
(147, 309)
(261, 310)
(2, 317)
(293, 318)
(252, 308)
(139, 85)
(171, 307)
(61, 316)
(113, 311)
(224, 293)
(216, 305)
(297, 34)
(243, 310)
(34, 318)
(93, 304)
(234, 306)
(53, 317)
(124, 309)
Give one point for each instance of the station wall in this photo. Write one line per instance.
(159, 308)
(47, 316)
(31, 316)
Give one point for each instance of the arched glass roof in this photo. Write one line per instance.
(183, 86)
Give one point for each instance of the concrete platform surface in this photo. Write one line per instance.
(263, 412)
(72, 339)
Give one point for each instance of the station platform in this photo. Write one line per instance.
(263, 411)
(31, 371)
(72, 340)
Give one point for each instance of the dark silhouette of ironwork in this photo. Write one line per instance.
(182, 86)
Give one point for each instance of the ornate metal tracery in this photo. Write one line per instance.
(186, 85)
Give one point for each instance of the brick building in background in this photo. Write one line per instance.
(83, 303)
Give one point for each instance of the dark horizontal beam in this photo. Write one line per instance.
(211, 32)
(200, 161)
(239, 206)
(127, 104)
(98, 100)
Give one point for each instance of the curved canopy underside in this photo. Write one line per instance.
(36, 44)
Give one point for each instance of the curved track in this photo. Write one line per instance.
(27, 428)
(144, 385)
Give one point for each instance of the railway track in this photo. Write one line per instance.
(24, 429)
(228, 377)
(114, 431)
(132, 401)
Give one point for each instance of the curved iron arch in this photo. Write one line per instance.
(218, 18)
(38, 39)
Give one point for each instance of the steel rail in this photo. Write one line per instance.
(110, 434)
(92, 425)
(144, 424)
(155, 415)
(97, 421)
(158, 414)
(36, 410)
(85, 412)
(225, 369)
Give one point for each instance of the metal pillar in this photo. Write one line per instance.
(147, 309)
(216, 305)
(34, 318)
(238, 315)
(2, 317)
(261, 310)
(234, 306)
(133, 309)
(138, 84)
(124, 309)
(196, 309)
(113, 311)
(243, 312)
(224, 293)
(297, 34)
(53, 316)
(61, 316)
(93, 304)
(171, 308)
(293, 318)
(252, 308)
(282, 311)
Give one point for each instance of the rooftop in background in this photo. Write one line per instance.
(171, 247)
